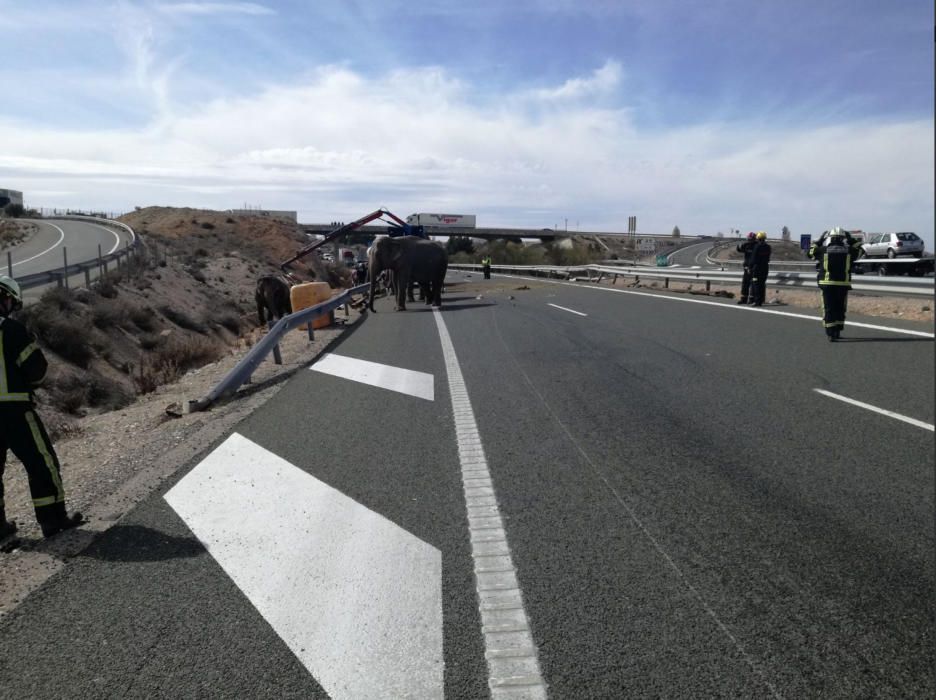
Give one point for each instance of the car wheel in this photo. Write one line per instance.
(891, 254)
(882, 270)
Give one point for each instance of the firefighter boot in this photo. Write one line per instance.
(52, 527)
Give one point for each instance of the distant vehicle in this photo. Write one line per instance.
(893, 244)
(442, 220)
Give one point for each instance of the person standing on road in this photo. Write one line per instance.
(746, 247)
(834, 253)
(760, 266)
(22, 368)
(486, 266)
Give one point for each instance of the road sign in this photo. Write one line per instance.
(805, 241)
(661, 260)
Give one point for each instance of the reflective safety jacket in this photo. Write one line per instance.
(22, 364)
(760, 257)
(834, 259)
(486, 261)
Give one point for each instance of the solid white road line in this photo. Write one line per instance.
(404, 381)
(51, 247)
(113, 233)
(882, 411)
(513, 669)
(556, 306)
(735, 307)
(356, 598)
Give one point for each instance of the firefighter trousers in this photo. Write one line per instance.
(746, 285)
(758, 287)
(22, 432)
(834, 303)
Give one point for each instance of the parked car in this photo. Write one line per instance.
(894, 244)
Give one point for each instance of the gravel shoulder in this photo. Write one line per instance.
(112, 461)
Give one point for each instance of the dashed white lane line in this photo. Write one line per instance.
(404, 381)
(513, 667)
(571, 311)
(882, 411)
(889, 329)
(355, 597)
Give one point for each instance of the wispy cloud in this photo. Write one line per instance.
(604, 80)
(214, 8)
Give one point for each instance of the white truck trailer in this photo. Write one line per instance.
(442, 220)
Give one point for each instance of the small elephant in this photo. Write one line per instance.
(411, 259)
(272, 295)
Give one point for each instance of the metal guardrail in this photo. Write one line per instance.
(243, 370)
(60, 275)
(916, 286)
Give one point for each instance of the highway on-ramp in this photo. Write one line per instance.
(613, 493)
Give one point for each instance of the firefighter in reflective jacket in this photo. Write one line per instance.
(22, 368)
(834, 253)
(760, 266)
(486, 266)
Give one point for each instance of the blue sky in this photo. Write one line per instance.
(710, 116)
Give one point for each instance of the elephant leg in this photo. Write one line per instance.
(402, 285)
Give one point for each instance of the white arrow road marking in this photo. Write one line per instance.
(882, 411)
(356, 598)
(405, 381)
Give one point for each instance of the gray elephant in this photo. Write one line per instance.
(411, 259)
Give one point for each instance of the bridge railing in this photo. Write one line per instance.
(916, 286)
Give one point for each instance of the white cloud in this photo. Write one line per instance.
(214, 8)
(603, 81)
(339, 145)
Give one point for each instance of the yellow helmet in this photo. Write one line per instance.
(761, 235)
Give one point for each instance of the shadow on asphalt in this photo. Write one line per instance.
(138, 543)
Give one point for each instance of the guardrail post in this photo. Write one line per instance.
(9, 263)
(666, 283)
(87, 277)
(277, 358)
(708, 285)
(65, 269)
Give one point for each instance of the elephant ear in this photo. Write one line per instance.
(395, 249)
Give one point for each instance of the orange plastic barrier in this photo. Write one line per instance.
(302, 296)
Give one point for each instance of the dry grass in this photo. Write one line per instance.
(171, 360)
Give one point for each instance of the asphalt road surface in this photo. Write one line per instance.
(687, 516)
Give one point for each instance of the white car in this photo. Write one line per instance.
(893, 244)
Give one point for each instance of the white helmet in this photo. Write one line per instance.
(10, 287)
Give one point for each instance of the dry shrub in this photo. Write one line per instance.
(149, 341)
(70, 393)
(55, 322)
(172, 360)
(230, 321)
(144, 318)
(183, 320)
(108, 313)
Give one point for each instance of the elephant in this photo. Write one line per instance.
(411, 259)
(272, 294)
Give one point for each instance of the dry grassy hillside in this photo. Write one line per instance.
(185, 302)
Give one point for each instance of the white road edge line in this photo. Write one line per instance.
(556, 306)
(856, 324)
(113, 233)
(882, 411)
(508, 642)
(52, 247)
